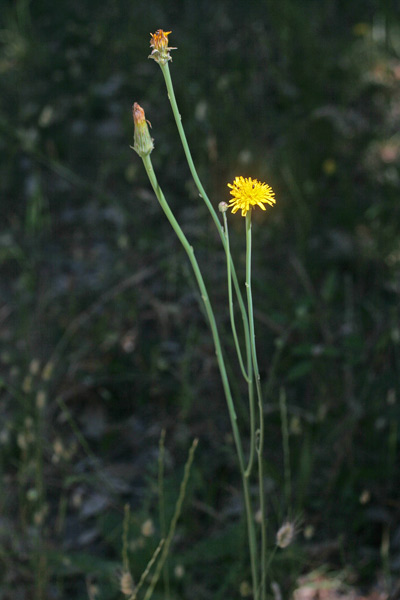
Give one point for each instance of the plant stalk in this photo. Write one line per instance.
(249, 374)
(178, 120)
(220, 359)
(260, 441)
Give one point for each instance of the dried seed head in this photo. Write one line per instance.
(34, 366)
(147, 529)
(126, 583)
(258, 517)
(27, 384)
(365, 497)
(276, 590)
(285, 535)
(179, 571)
(41, 400)
(22, 441)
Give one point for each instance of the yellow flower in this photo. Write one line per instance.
(248, 192)
(159, 45)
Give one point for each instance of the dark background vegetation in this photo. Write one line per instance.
(102, 343)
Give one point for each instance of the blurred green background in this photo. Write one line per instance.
(102, 343)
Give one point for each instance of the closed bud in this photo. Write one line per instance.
(143, 143)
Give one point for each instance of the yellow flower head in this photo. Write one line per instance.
(248, 192)
(159, 45)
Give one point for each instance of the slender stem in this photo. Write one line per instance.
(260, 444)
(147, 570)
(218, 350)
(202, 192)
(231, 311)
(225, 241)
(249, 374)
(174, 521)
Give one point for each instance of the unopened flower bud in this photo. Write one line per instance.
(222, 207)
(143, 143)
(159, 44)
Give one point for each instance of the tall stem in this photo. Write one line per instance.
(224, 377)
(202, 192)
(249, 374)
(260, 441)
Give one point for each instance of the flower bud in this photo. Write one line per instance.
(159, 44)
(143, 143)
(222, 207)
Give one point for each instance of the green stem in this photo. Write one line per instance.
(218, 350)
(260, 444)
(174, 521)
(203, 194)
(249, 374)
(231, 311)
